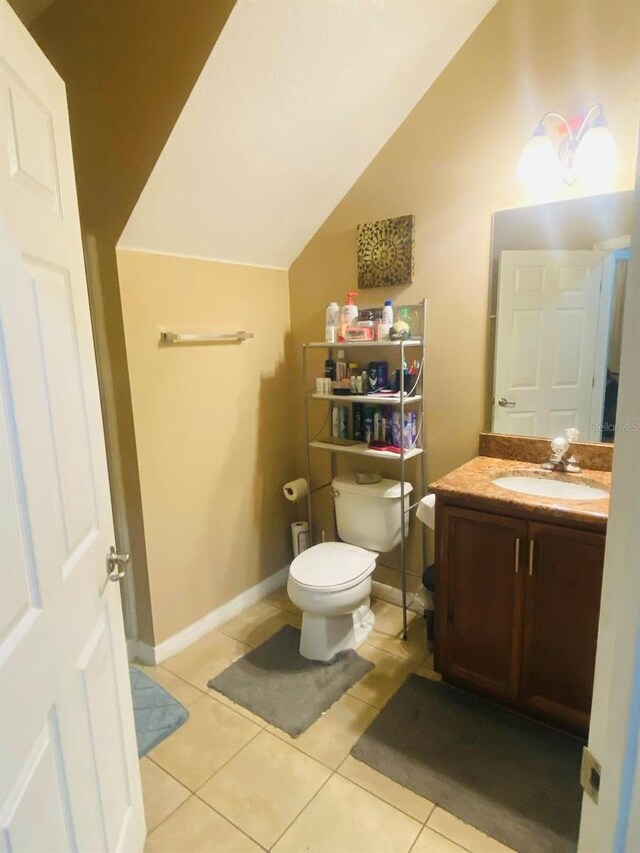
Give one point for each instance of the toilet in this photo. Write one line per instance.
(331, 582)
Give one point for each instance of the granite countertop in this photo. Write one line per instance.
(472, 484)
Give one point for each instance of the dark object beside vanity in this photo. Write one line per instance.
(518, 598)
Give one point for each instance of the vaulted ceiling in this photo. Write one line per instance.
(294, 102)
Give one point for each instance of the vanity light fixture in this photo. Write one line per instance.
(567, 149)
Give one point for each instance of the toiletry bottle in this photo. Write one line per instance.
(342, 421)
(369, 417)
(386, 321)
(387, 312)
(382, 375)
(330, 369)
(348, 315)
(396, 428)
(353, 377)
(387, 414)
(332, 321)
(357, 411)
(341, 366)
(378, 424)
(335, 422)
(373, 377)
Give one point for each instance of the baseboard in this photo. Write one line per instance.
(132, 650)
(391, 595)
(153, 655)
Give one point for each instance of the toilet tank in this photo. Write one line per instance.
(369, 515)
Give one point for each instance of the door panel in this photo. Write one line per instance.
(59, 349)
(97, 669)
(30, 142)
(39, 796)
(562, 605)
(19, 594)
(69, 775)
(480, 585)
(546, 335)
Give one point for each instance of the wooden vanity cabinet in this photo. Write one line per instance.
(517, 607)
(562, 606)
(480, 620)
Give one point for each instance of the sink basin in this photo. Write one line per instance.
(546, 488)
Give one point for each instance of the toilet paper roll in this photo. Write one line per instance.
(299, 537)
(426, 511)
(296, 489)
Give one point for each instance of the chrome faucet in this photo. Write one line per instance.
(558, 460)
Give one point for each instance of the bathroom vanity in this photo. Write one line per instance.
(518, 589)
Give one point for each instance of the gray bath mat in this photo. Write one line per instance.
(157, 714)
(279, 685)
(516, 780)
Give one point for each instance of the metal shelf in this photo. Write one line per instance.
(364, 450)
(361, 449)
(413, 342)
(378, 399)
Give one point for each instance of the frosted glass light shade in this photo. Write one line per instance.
(539, 167)
(595, 159)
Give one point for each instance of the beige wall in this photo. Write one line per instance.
(213, 427)
(452, 163)
(211, 455)
(129, 66)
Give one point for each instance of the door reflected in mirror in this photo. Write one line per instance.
(559, 274)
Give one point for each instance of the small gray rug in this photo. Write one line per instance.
(289, 691)
(157, 714)
(514, 779)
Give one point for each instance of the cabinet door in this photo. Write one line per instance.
(479, 599)
(562, 605)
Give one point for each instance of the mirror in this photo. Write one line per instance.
(558, 279)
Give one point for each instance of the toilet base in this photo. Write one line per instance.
(323, 637)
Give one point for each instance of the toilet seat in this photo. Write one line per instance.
(332, 566)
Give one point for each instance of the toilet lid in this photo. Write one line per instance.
(332, 565)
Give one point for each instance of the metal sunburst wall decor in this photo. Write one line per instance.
(385, 252)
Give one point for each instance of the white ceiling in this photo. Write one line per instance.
(296, 99)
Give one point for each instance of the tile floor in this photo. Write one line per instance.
(229, 782)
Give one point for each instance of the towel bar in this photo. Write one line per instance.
(202, 338)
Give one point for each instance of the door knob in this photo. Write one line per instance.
(116, 564)
(506, 404)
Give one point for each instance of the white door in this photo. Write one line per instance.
(69, 777)
(546, 340)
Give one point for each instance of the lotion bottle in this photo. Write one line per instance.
(348, 315)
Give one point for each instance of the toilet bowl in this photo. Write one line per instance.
(331, 584)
